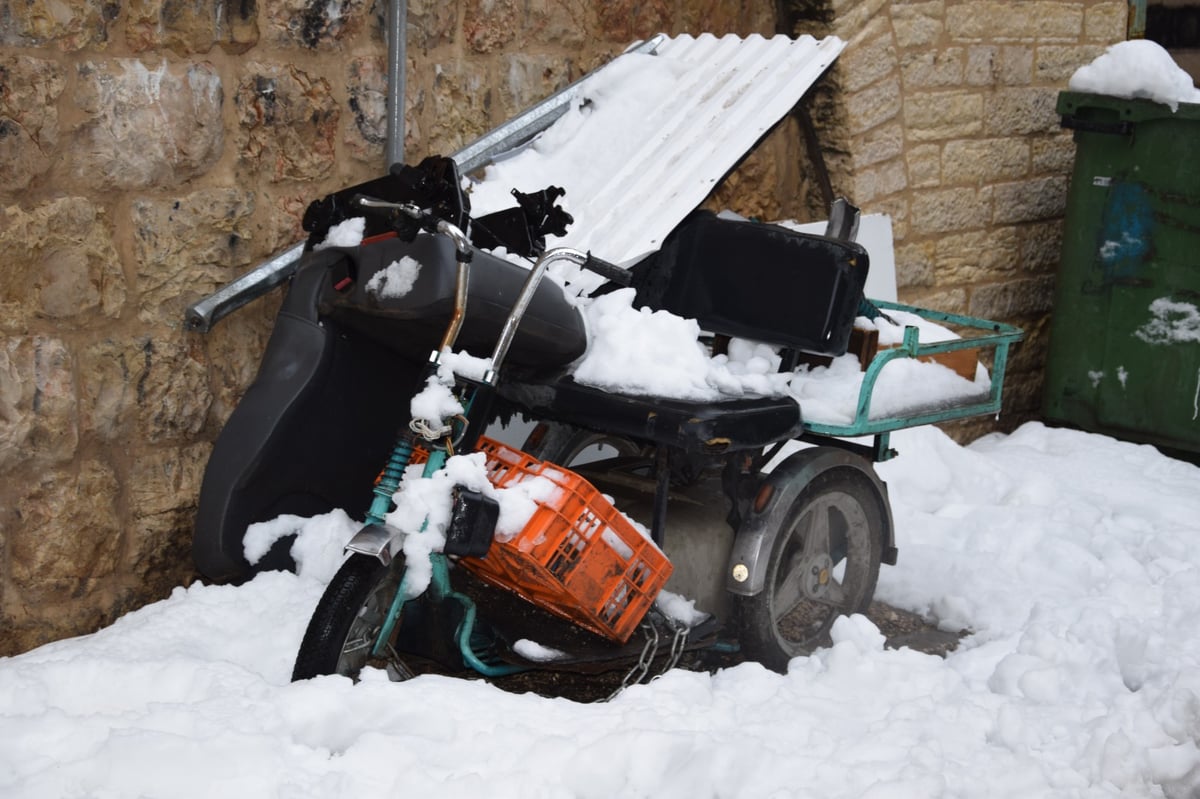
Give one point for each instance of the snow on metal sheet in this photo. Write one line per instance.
(647, 137)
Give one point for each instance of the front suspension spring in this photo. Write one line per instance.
(389, 479)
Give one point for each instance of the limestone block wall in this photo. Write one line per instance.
(942, 115)
(151, 151)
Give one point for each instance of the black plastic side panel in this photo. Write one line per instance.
(309, 435)
(551, 334)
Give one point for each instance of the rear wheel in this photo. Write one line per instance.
(824, 563)
(348, 619)
(567, 445)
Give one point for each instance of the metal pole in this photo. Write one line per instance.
(397, 57)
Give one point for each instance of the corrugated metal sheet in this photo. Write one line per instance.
(696, 107)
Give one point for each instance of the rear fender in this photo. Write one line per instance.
(746, 571)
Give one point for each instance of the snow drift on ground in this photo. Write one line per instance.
(1138, 68)
(1071, 557)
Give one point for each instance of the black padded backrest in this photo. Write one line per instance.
(758, 281)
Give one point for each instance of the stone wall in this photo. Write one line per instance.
(151, 151)
(943, 117)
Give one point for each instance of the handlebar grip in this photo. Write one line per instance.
(608, 271)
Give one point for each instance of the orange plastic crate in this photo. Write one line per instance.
(577, 557)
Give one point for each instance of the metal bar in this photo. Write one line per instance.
(662, 495)
(524, 298)
(207, 312)
(202, 315)
(816, 155)
(1000, 338)
(396, 79)
(461, 282)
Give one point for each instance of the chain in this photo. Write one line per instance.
(679, 639)
(642, 667)
(678, 643)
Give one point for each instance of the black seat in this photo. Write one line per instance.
(695, 427)
(757, 281)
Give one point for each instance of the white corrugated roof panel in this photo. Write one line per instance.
(648, 136)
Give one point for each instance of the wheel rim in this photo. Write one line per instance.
(823, 570)
(360, 638)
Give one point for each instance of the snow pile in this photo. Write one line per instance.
(436, 401)
(637, 351)
(830, 395)
(1072, 557)
(640, 351)
(1138, 68)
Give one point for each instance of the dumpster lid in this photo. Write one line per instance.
(1121, 109)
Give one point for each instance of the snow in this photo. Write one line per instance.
(1138, 68)
(396, 280)
(436, 401)
(532, 650)
(637, 351)
(1171, 323)
(641, 351)
(679, 608)
(348, 233)
(829, 394)
(1071, 558)
(599, 125)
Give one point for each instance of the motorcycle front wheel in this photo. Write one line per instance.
(348, 619)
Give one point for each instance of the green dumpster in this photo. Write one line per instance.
(1124, 353)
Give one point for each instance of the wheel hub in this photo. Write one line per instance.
(817, 573)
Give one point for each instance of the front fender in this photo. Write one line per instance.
(375, 540)
(754, 540)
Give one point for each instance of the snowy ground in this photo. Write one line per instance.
(1072, 557)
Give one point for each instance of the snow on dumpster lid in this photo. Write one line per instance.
(648, 136)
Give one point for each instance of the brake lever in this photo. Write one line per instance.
(462, 244)
(374, 203)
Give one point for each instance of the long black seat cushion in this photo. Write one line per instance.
(696, 427)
